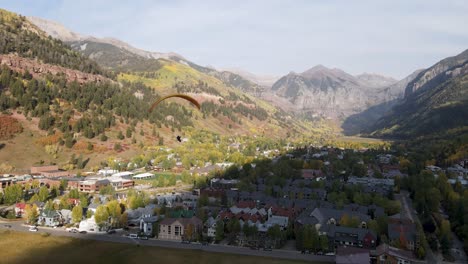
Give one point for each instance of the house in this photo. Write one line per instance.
(402, 231)
(352, 255)
(349, 236)
(65, 216)
(49, 218)
(135, 215)
(386, 254)
(333, 216)
(19, 209)
(146, 225)
(210, 226)
(180, 228)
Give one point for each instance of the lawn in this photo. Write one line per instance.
(18, 247)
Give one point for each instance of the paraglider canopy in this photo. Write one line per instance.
(183, 96)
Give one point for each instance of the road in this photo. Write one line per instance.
(283, 254)
(409, 211)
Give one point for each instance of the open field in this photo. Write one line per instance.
(21, 247)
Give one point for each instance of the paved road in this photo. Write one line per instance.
(284, 254)
(409, 211)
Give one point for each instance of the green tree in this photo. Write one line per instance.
(43, 194)
(13, 194)
(101, 216)
(115, 212)
(77, 214)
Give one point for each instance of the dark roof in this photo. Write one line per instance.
(392, 251)
(184, 221)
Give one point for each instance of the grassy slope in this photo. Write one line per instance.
(32, 248)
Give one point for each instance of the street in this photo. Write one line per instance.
(278, 253)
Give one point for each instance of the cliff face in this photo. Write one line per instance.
(38, 69)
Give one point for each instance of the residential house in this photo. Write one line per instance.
(210, 226)
(19, 209)
(180, 228)
(49, 218)
(334, 216)
(349, 236)
(146, 225)
(385, 254)
(136, 215)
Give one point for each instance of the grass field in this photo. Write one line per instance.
(18, 247)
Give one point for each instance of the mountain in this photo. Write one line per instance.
(61, 103)
(435, 101)
(58, 31)
(376, 80)
(391, 96)
(332, 93)
(262, 80)
(118, 56)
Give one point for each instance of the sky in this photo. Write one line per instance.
(274, 37)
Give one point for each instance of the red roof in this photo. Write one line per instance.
(246, 204)
(20, 205)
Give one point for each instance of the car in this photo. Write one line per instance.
(112, 231)
(330, 254)
(83, 232)
(133, 236)
(320, 253)
(143, 237)
(267, 249)
(33, 229)
(205, 243)
(185, 242)
(305, 252)
(7, 226)
(254, 248)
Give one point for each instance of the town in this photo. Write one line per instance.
(335, 202)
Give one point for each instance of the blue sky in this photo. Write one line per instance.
(393, 37)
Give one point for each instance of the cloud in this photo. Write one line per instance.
(390, 37)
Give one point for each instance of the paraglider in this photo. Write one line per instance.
(183, 96)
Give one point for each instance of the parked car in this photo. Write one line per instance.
(7, 226)
(185, 242)
(33, 229)
(143, 237)
(204, 243)
(112, 231)
(133, 236)
(72, 230)
(330, 254)
(305, 252)
(254, 248)
(267, 249)
(83, 232)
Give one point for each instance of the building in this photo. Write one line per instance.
(49, 218)
(143, 176)
(349, 236)
(146, 225)
(49, 171)
(121, 184)
(39, 169)
(385, 254)
(91, 186)
(19, 209)
(88, 225)
(180, 228)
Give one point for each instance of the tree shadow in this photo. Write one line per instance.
(2, 145)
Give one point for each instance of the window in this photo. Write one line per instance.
(177, 230)
(169, 230)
